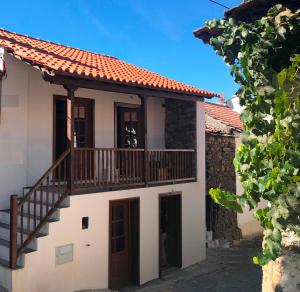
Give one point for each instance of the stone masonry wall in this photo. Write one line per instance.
(180, 129)
(220, 173)
(180, 126)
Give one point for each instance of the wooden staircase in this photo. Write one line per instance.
(29, 216)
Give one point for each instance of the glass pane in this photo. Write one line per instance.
(118, 244)
(134, 116)
(81, 125)
(118, 228)
(81, 112)
(127, 116)
(80, 141)
(131, 135)
(118, 212)
(75, 112)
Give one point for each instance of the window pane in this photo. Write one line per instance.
(75, 112)
(118, 244)
(81, 112)
(134, 116)
(118, 228)
(126, 116)
(118, 212)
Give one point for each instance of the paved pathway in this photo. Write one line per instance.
(224, 270)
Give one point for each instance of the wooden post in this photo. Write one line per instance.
(144, 105)
(13, 231)
(70, 134)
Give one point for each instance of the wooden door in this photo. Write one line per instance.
(84, 137)
(124, 243)
(173, 230)
(170, 236)
(129, 127)
(83, 132)
(60, 140)
(83, 123)
(129, 133)
(119, 245)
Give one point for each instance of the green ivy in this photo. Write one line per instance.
(265, 59)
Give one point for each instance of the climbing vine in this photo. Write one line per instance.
(265, 60)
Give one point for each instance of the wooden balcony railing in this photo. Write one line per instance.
(99, 167)
(96, 168)
(171, 165)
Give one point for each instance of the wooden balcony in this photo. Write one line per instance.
(102, 169)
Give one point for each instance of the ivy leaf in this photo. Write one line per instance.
(281, 77)
(226, 199)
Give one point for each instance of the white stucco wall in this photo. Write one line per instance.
(26, 128)
(13, 130)
(89, 269)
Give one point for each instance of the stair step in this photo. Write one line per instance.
(61, 206)
(50, 189)
(5, 263)
(7, 226)
(31, 216)
(5, 243)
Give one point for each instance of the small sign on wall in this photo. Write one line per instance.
(64, 254)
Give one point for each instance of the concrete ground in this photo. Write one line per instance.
(224, 270)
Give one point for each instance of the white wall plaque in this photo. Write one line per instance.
(64, 254)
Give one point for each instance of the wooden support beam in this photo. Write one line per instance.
(13, 232)
(121, 88)
(70, 134)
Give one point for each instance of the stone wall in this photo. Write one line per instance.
(220, 173)
(180, 126)
(180, 131)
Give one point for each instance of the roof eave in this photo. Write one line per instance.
(49, 74)
(62, 78)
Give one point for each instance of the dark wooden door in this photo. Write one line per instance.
(119, 245)
(173, 230)
(170, 232)
(129, 133)
(60, 127)
(129, 127)
(83, 123)
(84, 138)
(124, 243)
(83, 132)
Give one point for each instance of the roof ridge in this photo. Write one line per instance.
(56, 43)
(217, 104)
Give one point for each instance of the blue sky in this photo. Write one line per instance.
(156, 35)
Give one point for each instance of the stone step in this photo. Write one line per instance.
(5, 234)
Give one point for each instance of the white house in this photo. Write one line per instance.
(105, 163)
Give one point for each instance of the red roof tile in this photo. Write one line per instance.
(63, 59)
(213, 130)
(224, 114)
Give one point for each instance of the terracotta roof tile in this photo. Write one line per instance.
(213, 130)
(224, 114)
(64, 59)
